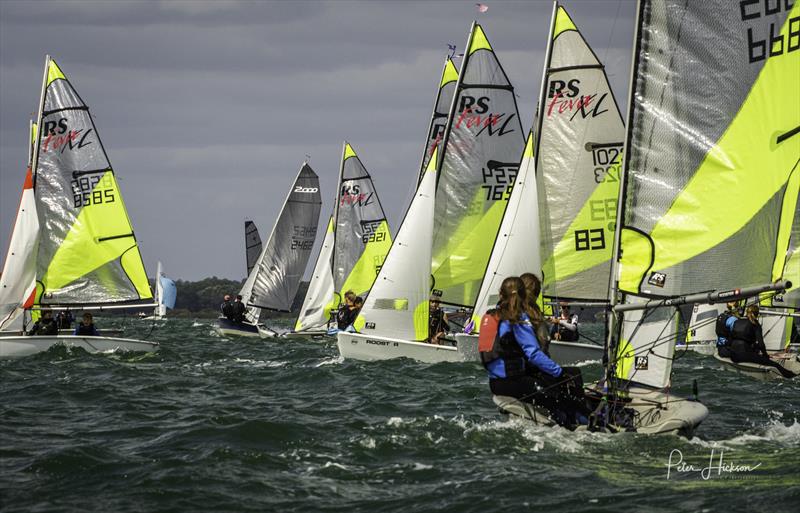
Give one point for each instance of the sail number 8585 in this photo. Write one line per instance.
(85, 190)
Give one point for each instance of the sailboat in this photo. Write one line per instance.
(678, 240)
(83, 253)
(560, 218)
(275, 277)
(473, 180)
(252, 245)
(356, 242)
(166, 294)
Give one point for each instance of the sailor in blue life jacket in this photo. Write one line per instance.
(747, 342)
(86, 327)
(723, 327)
(519, 368)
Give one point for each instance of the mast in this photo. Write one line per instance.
(35, 156)
(336, 220)
(543, 86)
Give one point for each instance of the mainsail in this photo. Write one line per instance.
(18, 280)
(88, 253)
(579, 149)
(441, 108)
(362, 236)
(481, 150)
(711, 158)
(252, 245)
(277, 273)
(166, 292)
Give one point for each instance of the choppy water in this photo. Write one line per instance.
(210, 424)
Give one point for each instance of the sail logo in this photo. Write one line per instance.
(771, 43)
(498, 179)
(572, 101)
(640, 363)
(474, 113)
(305, 190)
(657, 279)
(59, 136)
(351, 195)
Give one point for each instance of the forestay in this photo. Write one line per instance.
(362, 236)
(88, 253)
(277, 273)
(580, 136)
(712, 156)
(482, 147)
(252, 245)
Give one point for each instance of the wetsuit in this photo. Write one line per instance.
(723, 331)
(436, 323)
(519, 368)
(44, 327)
(747, 345)
(86, 331)
(345, 317)
(64, 320)
(238, 311)
(227, 310)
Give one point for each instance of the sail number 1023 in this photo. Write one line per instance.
(606, 162)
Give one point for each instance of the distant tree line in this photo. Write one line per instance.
(202, 298)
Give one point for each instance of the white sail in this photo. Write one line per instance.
(516, 249)
(397, 305)
(316, 310)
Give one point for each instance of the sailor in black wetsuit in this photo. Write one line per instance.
(86, 327)
(239, 310)
(227, 307)
(747, 342)
(565, 327)
(45, 326)
(64, 319)
(437, 321)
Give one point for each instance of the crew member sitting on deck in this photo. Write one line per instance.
(747, 342)
(723, 327)
(64, 320)
(437, 321)
(227, 307)
(45, 325)
(86, 327)
(238, 310)
(518, 367)
(565, 326)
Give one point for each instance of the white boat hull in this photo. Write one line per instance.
(358, 346)
(17, 346)
(306, 334)
(790, 361)
(658, 413)
(563, 353)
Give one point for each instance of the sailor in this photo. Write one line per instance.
(64, 319)
(723, 327)
(238, 310)
(45, 325)
(747, 342)
(227, 307)
(565, 326)
(533, 287)
(437, 321)
(519, 368)
(344, 316)
(86, 327)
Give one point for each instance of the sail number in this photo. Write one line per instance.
(85, 191)
(498, 179)
(606, 164)
(371, 232)
(586, 240)
(773, 45)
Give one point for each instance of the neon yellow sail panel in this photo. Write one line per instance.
(87, 252)
(365, 270)
(481, 153)
(718, 231)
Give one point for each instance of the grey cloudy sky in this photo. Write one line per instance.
(208, 108)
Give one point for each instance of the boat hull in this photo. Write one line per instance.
(228, 328)
(306, 334)
(791, 361)
(563, 353)
(658, 413)
(102, 333)
(18, 346)
(358, 346)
